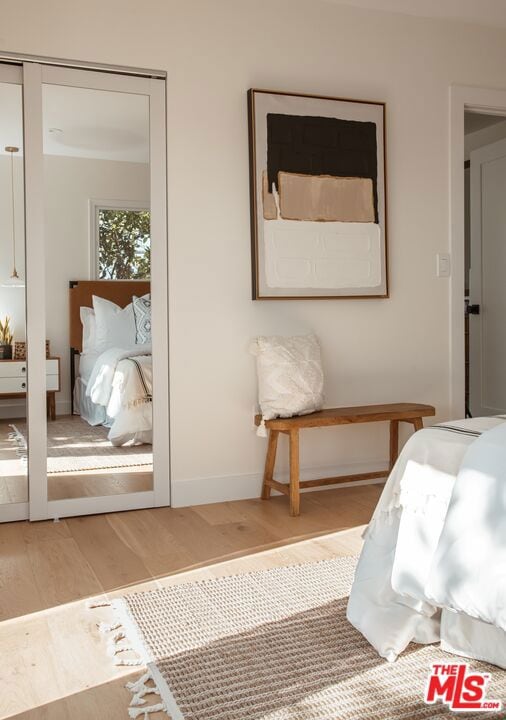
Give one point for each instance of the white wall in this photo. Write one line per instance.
(374, 350)
(70, 183)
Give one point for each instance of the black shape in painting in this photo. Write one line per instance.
(321, 146)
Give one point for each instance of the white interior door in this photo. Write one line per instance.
(487, 329)
(69, 130)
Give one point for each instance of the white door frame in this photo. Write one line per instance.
(40, 507)
(492, 102)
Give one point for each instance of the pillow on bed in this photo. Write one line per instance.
(142, 314)
(115, 326)
(89, 329)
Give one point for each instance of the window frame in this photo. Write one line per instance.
(94, 232)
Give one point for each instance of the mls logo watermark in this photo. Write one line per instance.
(459, 687)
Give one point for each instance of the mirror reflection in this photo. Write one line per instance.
(98, 305)
(13, 368)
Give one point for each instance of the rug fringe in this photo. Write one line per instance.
(104, 627)
(139, 689)
(17, 437)
(96, 603)
(117, 643)
(113, 641)
(128, 662)
(137, 712)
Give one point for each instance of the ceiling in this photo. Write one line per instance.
(78, 122)
(479, 121)
(480, 12)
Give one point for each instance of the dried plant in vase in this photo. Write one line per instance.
(6, 338)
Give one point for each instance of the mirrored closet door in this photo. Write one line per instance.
(101, 297)
(96, 263)
(13, 365)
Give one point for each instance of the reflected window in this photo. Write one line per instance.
(122, 243)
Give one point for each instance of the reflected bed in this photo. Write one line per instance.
(111, 371)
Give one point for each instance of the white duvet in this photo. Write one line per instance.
(433, 564)
(121, 382)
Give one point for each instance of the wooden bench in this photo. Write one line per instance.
(394, 413)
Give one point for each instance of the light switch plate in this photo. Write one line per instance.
(443, 265)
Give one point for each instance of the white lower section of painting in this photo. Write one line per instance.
(330, 255)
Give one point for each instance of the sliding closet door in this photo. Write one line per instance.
(13, 365)
(102, 350)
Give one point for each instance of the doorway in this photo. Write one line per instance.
(485, 262)
(84, 289)
(464, 101)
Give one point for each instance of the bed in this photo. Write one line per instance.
(433, 565)
(110, 357)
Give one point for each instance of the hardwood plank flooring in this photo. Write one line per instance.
(54, 661)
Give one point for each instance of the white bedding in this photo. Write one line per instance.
(433, 564)
(86, 408)
(87, 362)
(119, 389)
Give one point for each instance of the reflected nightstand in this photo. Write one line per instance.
(13, 381)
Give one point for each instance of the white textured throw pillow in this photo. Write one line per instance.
(290, 376)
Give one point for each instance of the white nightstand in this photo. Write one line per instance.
(13, 381)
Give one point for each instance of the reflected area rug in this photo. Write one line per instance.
(269, 645)
(75, 446)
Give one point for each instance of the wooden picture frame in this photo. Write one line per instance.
(318, 197)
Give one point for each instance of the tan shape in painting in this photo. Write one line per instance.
(268, 201)
(325, 198)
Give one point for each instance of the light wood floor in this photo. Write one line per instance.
(54, 664)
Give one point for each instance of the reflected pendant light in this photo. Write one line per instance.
(11, 149)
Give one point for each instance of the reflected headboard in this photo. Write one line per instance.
(81, 293)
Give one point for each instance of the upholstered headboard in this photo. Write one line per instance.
(81, 293)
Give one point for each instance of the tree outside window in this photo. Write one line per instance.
(124, 244)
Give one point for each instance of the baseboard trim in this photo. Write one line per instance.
(63, 407)
(202, 491)
(12, 410)
(17, 408)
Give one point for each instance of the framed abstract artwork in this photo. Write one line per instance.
(318, 197)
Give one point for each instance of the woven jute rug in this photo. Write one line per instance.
(270, 645)
(75, 446)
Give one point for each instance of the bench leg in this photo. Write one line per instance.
(294, 473)
(270, 461)
(394, 442)
(394, 437)
(416, 422)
